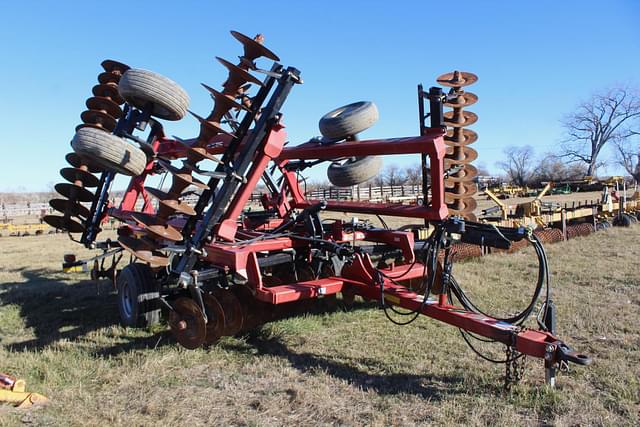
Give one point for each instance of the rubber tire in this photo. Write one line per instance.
(622, 221)
(354, 171)
(110, 151)
(348, 120)
(141, 87)
(136, 282)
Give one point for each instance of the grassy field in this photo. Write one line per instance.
(60, 332)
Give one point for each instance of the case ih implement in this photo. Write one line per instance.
(218, 268)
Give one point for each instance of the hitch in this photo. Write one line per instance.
(556, 355)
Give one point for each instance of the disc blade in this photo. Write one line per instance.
(78, 162)
(464, 118)
(74, 192)
(463, 99)
(143, 251)
(187, 323)
(233, 313)
(459, 136)
(98, 118)
(108, 90)
(74, 208)
(467, 174)
(76, 174)
(238, 74)
(457, 79)
(185, 176)
(227, 101)
(168, 201)
(254, 49)
(112, 66)
(66, 224)
(105, 105)
(215, 319)
(211, 126)
(157, 227)
(464, 155)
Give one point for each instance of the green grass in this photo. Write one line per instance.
(60, 332)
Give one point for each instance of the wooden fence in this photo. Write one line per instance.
(387, 193)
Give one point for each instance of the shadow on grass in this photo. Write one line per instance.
(424, 385)
(56, 311)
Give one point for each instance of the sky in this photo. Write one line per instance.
(536, 61)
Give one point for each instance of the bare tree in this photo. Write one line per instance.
(378, 180)
(551, 168)
(629, 157)
(413, 174)
(605, 117)
(518, 164)
(393, 175)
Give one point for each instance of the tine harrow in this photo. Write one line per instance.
(459, 187)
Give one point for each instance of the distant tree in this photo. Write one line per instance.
(603, 118)
(629, 156)
(518, 164)
(393, 175)
(378, 180)
(413, 174)
(317, 185)
(551, 168)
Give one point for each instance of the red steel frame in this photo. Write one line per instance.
(359, 275)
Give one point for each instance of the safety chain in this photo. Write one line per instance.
(514, 367)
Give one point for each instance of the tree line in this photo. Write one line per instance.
(609, 119)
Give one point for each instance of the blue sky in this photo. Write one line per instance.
(535, 61)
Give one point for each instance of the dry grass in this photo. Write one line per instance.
(60, 333)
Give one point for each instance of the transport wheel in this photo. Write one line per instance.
(138, 296)
(348, 120)
(110, 151)
(143, 89)
(354, 171)
(600, 226)
(622, 221)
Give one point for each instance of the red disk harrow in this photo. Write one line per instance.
(217, 268)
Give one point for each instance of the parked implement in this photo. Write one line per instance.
(217, 268)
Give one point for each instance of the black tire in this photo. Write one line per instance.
(141, 88)
(354, 171)
(349, 120)
(622, 221)
(110, 151)
(632, 218)
(138, 296)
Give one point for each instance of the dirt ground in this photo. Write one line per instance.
(330, 366)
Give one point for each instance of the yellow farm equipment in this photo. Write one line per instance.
(12, 390)
(10, 229)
